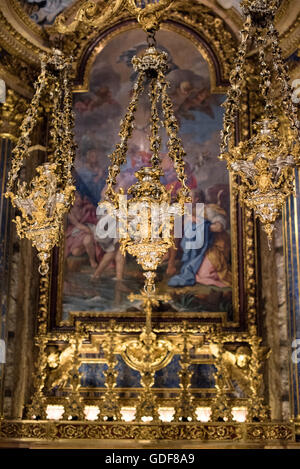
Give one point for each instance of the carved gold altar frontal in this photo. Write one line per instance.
(203, 380)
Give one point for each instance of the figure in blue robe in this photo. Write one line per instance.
(192, 258)
(86, 185)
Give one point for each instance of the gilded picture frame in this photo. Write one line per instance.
(243, 236)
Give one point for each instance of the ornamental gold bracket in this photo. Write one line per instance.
(148, 14)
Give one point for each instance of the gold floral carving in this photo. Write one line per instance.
(54, 430)
(17, 73)
(92, 14)
(81, 32)
(11, 114)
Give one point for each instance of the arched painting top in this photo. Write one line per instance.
(218, 75)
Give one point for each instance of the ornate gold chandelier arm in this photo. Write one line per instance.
(45, 81)
(118, 157)
(149, 15)
(283, 76)
(265, 83)
(68, 145)
(259, 18)
(236, 79)
(176, 151)
(86, 14)
(21, 149)
(55, 127)
(158, 90)
(155, 139)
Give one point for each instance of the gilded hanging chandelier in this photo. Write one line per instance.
(44, 201)
(262, 165)
(148, 237)
(146, 217)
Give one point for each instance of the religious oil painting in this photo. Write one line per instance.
(96, 276)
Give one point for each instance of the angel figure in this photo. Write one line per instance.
(59, 365)
(237, 363)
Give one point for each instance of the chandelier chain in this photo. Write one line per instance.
(266, 33)
(265, 73)
(176, 151)
(68, 144)
(236, 79)
(118, 156)
(151, 40)
(21, 149)
(283, 77)
(155, 139)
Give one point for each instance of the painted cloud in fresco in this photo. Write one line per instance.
(46, 11)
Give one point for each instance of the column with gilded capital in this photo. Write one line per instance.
(291, 229)
(11, 114)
